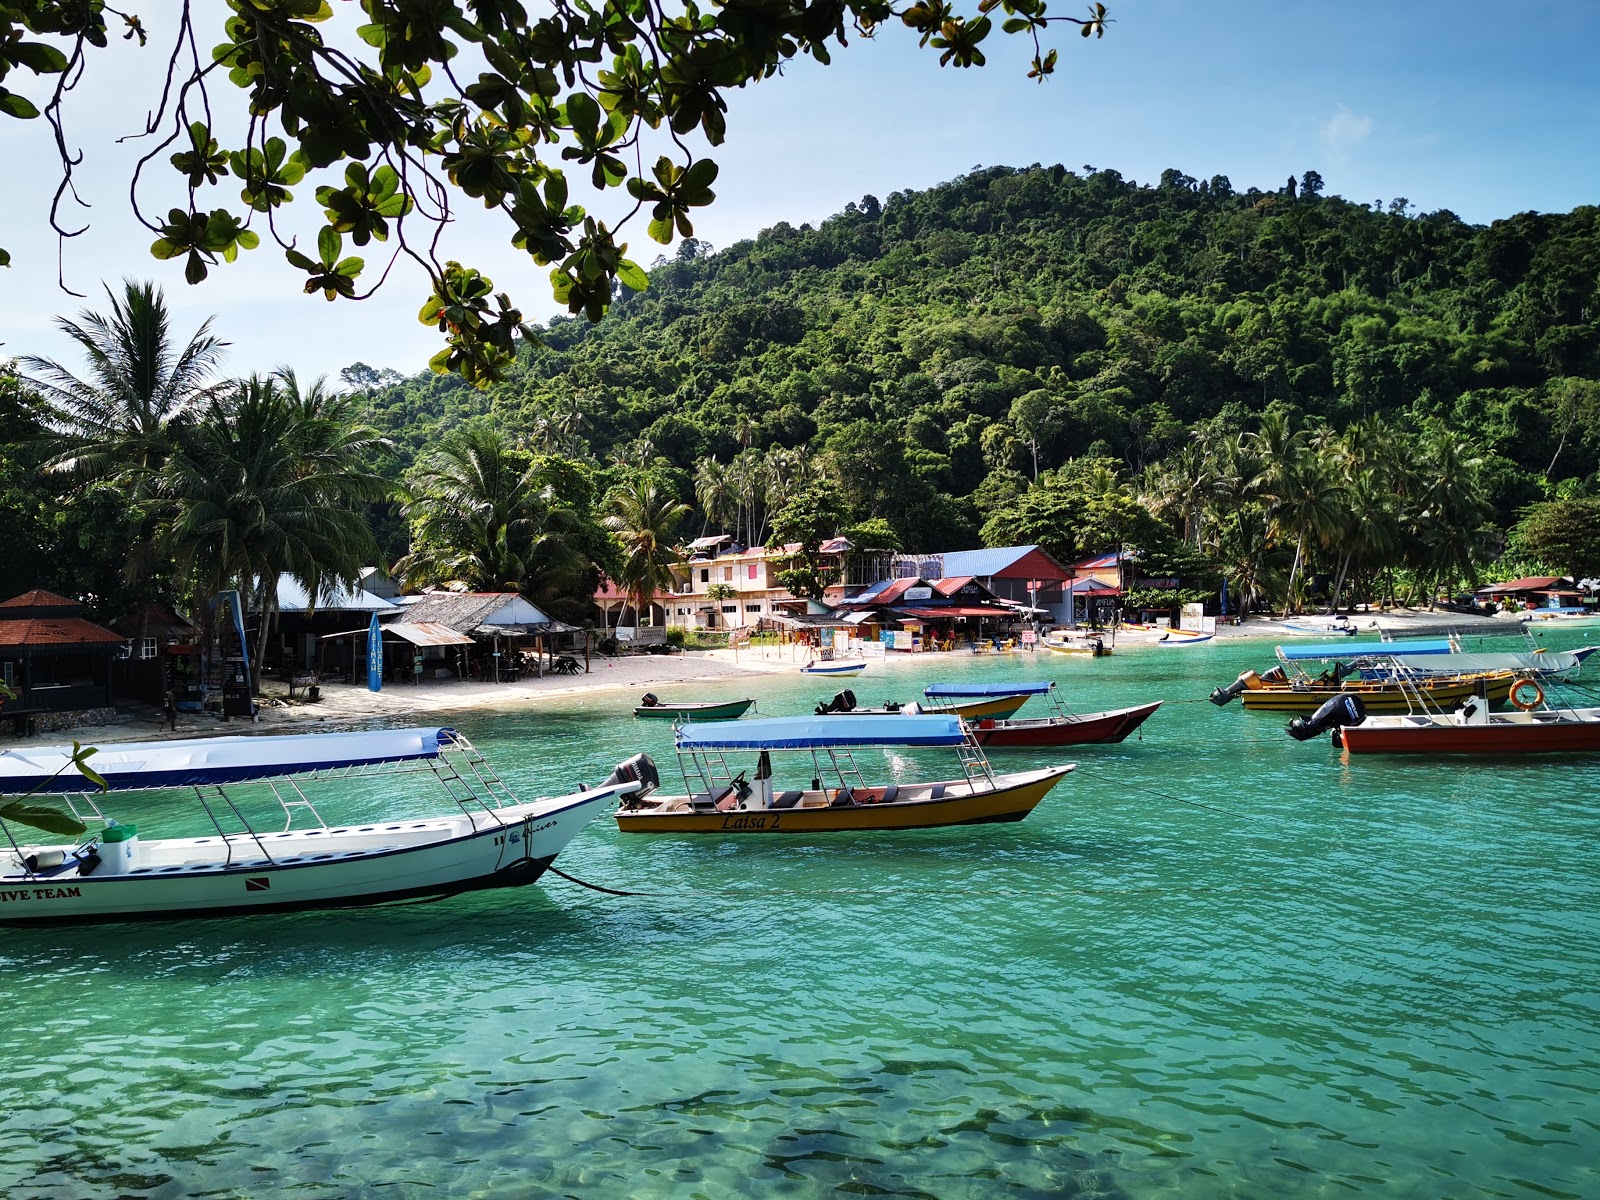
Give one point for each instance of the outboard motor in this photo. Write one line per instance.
(640, 769)
(649, 700)
(1340, 710)
(1223, 695)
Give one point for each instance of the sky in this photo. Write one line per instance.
(1485, 109)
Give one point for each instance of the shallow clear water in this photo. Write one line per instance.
(1215, 962)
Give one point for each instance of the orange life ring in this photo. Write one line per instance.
(1519, 697)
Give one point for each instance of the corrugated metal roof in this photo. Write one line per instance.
(462, 611)
(983, 562)
(292, 598)
(427, 633)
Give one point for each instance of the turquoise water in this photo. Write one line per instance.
(1214, 962)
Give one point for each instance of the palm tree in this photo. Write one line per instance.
(267, 482)
(713, 490)
(643, 518)
(481, 515)
(118, 422)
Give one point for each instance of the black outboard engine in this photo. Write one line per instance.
(1224, 695)
(641, 769)
(842, 702)
(1340, 710)
(649, 700)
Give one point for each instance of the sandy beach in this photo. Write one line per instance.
(342, 705)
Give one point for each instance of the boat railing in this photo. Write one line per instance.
(247, 834)
(974, 762)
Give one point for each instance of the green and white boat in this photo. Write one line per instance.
(667, 710)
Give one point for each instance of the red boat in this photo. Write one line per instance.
(1069, 729)
(1541, 731)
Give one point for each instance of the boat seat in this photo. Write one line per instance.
(787, 799)
(936, 792)
(843, 798)
(890, 794)
(711, 801)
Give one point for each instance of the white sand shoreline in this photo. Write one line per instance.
(344, 705)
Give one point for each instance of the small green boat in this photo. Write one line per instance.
(726, 710)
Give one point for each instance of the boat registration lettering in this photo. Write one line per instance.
(39, 893)
(751, 822)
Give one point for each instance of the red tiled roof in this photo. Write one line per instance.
(949, 587)
(56, 631)
(39, 598)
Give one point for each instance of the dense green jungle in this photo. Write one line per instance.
(1312, 396)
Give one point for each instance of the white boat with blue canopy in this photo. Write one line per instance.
(393, 847)
(841, 796)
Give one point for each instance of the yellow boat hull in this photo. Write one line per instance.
(1016, 796)
(1378, 697)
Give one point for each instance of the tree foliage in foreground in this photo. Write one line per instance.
(434, 102)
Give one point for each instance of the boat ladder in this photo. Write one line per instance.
(974, 762)
(301, 801)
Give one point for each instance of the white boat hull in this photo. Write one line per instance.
(311, 868)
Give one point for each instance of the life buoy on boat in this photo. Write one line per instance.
(1520, 694)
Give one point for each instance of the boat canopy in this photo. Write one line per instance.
(988, 689)
(192, 762)
(823, 733)
(1367, 649)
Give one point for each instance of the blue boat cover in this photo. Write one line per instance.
(190, 762)
(988, 689)
(1367, 649)
(823, 733)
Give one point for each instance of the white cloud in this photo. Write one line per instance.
(1345, 130)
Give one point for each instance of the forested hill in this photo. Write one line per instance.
(930, 345)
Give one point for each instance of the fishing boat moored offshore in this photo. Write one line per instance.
(840, 797)
(705, 710)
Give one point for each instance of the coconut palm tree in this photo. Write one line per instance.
(643, 517)
(482, 516)
(713, 490)
(267, 482)
(117, 422)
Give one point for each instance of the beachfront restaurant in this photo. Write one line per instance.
(931, 614)
(1535, 591)
(52, 659)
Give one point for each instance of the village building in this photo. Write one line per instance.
(1025, 575)
(716, 564)
(507, 635)
(57, 664)
(160, 652)
(1534, 591)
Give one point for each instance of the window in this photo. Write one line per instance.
(730, 608)
(752, 608)
(7, 674)
(705, 574)
(147, 648)
(750, 571)
(727, 574)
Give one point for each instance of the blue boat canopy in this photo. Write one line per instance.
(823, 733)
(988, 689)
(1367, 649)
(192, 762)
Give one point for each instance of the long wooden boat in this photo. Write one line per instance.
(1547, 731)
(1183, 637)
(840, 798)
(1378, 696)
(483, 837)
(1533, 728)
(1087, 647)
(1070, 729)
(666, 710)
(997, 707)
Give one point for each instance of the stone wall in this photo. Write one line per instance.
(57, 721)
